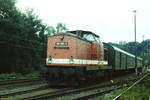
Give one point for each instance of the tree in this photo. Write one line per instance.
(50, 30)
(22, 39)
(123, 48)
(59, 28)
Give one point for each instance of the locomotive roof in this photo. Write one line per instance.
(82, 32)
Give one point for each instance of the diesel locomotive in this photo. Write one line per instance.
(81, 54)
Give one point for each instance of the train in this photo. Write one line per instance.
(79, 55)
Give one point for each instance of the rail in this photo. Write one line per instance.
(14, 81)
(86, 91)
(117, 97)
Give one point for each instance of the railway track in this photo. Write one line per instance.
(15, 81)
(8, 85)
(27, 94)
(81, 92)
(19, 86)
(44, 93)
(102, 93)
(23, 91)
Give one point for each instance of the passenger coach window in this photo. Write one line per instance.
(89, 37)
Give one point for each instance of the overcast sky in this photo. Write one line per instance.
(112, 20)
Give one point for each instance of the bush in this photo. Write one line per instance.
(32, 75)
(10, 75)
(15, 75)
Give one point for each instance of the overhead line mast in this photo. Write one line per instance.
(136, 70)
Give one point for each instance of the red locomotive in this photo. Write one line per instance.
(75, 48)
(81, 54)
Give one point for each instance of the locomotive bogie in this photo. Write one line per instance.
(64, 73)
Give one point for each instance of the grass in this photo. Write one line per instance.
(15, 75)
(141, 91)
(33, 75)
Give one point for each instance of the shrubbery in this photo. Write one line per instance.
(14, 75)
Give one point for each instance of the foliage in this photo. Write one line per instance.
(32, 75)
(15, 75)
(17, 32)
(130, 46)
(23, 39)
(10, 75)
(123, 48)
(59, 28)
(138, 92)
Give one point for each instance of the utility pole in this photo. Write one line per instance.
(147, 53)
(143, 50)
(136, 69)
(147, 46)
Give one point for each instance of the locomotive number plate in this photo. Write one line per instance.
(61, 43)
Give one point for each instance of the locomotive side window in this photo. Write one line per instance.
(98, 40)
(88, 37)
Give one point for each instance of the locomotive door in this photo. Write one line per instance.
(94, 51)
(100, 49)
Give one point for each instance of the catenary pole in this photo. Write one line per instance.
(136, 69)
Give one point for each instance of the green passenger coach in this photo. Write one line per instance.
(121, 60)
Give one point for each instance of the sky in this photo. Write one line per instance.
(112, 20)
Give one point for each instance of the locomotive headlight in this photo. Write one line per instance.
(61, 36)
(71, 61)
(50, 59)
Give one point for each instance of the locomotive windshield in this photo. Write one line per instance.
(88, 37)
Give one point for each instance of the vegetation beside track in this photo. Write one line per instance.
(23, 39)
(141, 91)
(15, 75)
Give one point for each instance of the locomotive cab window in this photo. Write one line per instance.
(89, 37)
(98, 40)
